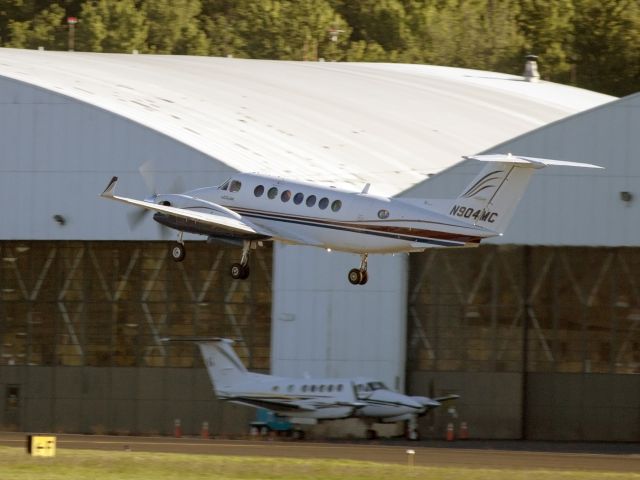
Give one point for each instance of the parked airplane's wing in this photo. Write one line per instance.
(274, 404)
(217, 216)
(293, 404)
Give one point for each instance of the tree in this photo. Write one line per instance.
(175, 27)
(111, 26)
(380, 24)
(290, 29)
(47, 29)
(548, 26)
(607, 45)
(469, 33)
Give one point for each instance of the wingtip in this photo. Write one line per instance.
(108, 192)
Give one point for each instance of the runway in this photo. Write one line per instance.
(392, 453)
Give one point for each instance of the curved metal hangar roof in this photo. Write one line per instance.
(343, 123)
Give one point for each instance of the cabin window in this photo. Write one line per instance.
(321, 388)
(275, 388)
(323, 203)
(297, 199)
(258, 191)
(336, 205)
(330, 388)
(304, 388)
(286, 196)
(382, 214)
(290, 388)
(313, 388)
(311, 200)
(234, 186)
(339, 388)
(272, 193)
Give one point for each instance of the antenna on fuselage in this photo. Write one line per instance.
(365, 190)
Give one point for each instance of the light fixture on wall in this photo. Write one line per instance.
(626, 197)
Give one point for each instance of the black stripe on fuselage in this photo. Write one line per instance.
(364, 230)
(308, 221)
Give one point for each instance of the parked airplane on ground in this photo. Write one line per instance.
(248, 209)
(306, 401)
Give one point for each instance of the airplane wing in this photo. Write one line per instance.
(216, 216)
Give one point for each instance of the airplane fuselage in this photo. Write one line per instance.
(361, 398)
(326, 217)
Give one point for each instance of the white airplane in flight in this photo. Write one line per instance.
(248, 209)
(306, 401)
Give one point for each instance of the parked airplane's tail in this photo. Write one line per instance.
(225, 368)
(492, 197)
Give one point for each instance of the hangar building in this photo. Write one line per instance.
(86, 299)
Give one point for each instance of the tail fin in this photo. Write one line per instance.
(225, 368)
(492, 197)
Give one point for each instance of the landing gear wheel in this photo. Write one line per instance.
(239, 271)
(364, 279)
(355, 276)
(298, 434)
(178, 252)
(412, 435)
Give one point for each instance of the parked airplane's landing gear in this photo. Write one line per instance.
(359, 276)
(411, 429)
(371, 434)
(177, 250)
(240, 271)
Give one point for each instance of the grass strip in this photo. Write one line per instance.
(15, 464)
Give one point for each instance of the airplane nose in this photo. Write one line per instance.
(427, 402)
(412, 403)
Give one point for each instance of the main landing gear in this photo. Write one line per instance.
(177, 250)
(358, 276)
(240, 271)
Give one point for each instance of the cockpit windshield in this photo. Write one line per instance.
(225, 185)
(377, 386)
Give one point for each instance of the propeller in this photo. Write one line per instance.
(148, 172)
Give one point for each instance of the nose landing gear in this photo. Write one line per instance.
(359, 276)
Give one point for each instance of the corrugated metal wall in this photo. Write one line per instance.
(81, 325)
(549, 331)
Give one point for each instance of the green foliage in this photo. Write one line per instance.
(46, 29)
(590, 43)
(111, 26)
(174, 27)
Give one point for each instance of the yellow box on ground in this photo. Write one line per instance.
(41, 445)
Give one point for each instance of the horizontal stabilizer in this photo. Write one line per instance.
(531, 161)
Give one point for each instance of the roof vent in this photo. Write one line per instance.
(531, 69)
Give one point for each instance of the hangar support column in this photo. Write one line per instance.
(325, 327)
